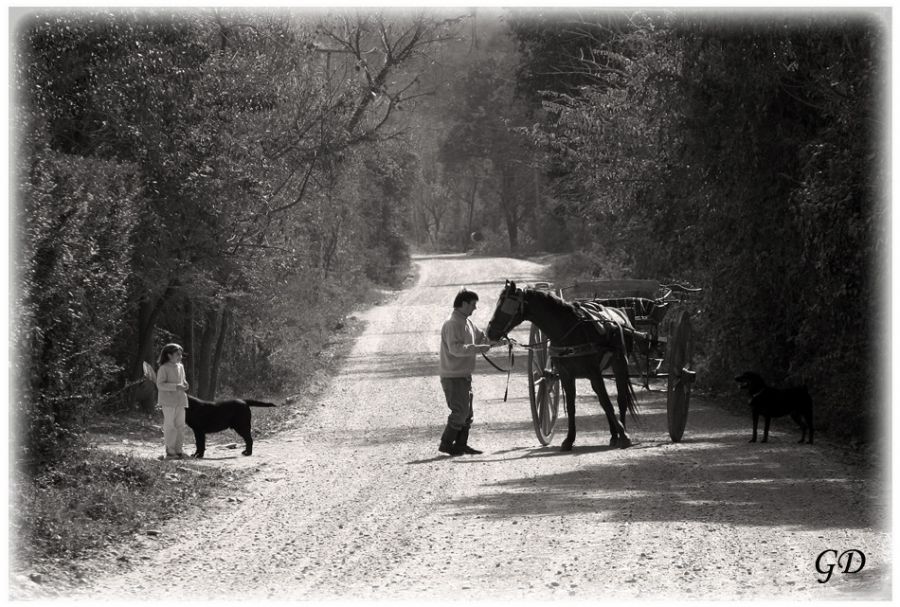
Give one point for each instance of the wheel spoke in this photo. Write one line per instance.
(542, 387)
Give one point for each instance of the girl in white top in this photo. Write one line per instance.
(172, 387)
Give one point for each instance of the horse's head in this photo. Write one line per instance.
(509, 313)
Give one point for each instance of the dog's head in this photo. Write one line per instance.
(750, 381)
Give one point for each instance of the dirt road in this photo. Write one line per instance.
(357, 503)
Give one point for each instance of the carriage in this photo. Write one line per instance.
(663, 347)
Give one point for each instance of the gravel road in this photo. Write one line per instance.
(356, 503)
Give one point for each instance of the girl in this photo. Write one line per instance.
(172, 389)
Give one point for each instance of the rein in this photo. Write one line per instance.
(512, 362)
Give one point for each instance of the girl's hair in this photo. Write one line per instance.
(164, 353)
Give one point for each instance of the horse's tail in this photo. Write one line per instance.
(631, 402)
(258, 403)
(627, 337)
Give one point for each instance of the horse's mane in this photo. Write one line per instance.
(553, 299)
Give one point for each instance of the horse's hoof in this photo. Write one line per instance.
(566, 446)
(613, 441)
(624, 442)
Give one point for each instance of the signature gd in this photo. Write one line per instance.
(847, 562)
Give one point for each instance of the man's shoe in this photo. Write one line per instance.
(462, 440)
(447, 445)
(450, 449)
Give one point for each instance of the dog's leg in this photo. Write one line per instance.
(243, 429)
(755, 425)
(200, 440)
(766, 429)
(809, 420)
(798, 418)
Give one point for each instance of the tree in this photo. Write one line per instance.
(243, 136)
(705, 149)
(486, 155)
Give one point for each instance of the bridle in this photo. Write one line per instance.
(511, 306)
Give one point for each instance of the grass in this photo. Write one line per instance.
(95, 498)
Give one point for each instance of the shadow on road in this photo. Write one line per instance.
(712, 475)
(727, 485)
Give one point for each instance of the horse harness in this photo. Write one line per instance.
(593, 312)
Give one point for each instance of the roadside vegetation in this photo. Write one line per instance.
(95, 500)
(239, 181)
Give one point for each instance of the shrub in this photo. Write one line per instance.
(75, 227)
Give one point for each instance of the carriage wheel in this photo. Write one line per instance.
(543, 387)
(678, 358)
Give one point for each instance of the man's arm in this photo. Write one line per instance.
(458, 341)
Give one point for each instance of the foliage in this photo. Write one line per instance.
(384, 194)
(78, 219)
(231, 145)
(488, 162)
(740, 156)
(92, 499)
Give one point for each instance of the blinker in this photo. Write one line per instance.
(510, 306)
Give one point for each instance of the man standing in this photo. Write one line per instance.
(461, 341)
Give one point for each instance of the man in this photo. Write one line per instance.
(461, 341)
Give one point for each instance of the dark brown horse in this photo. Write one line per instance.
(583, 348)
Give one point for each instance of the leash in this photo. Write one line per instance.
(512, 361)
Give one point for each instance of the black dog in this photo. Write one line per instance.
(205, 417)
(772, 402)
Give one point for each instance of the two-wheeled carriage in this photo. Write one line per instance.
(663, 347)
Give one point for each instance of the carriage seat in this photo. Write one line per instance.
(640, 310)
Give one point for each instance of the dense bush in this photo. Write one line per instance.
(73, 264)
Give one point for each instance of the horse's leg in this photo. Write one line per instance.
(615, 428)
(623, 394)
(568, 385)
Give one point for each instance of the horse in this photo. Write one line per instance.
(582, 347)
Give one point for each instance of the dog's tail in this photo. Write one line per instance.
(259, 403)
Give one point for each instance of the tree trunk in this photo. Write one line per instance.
(205, 354)
(148, 313)
(224, 324)
(190, 362)
(512, 227)
(508, 203)
(471, 215)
